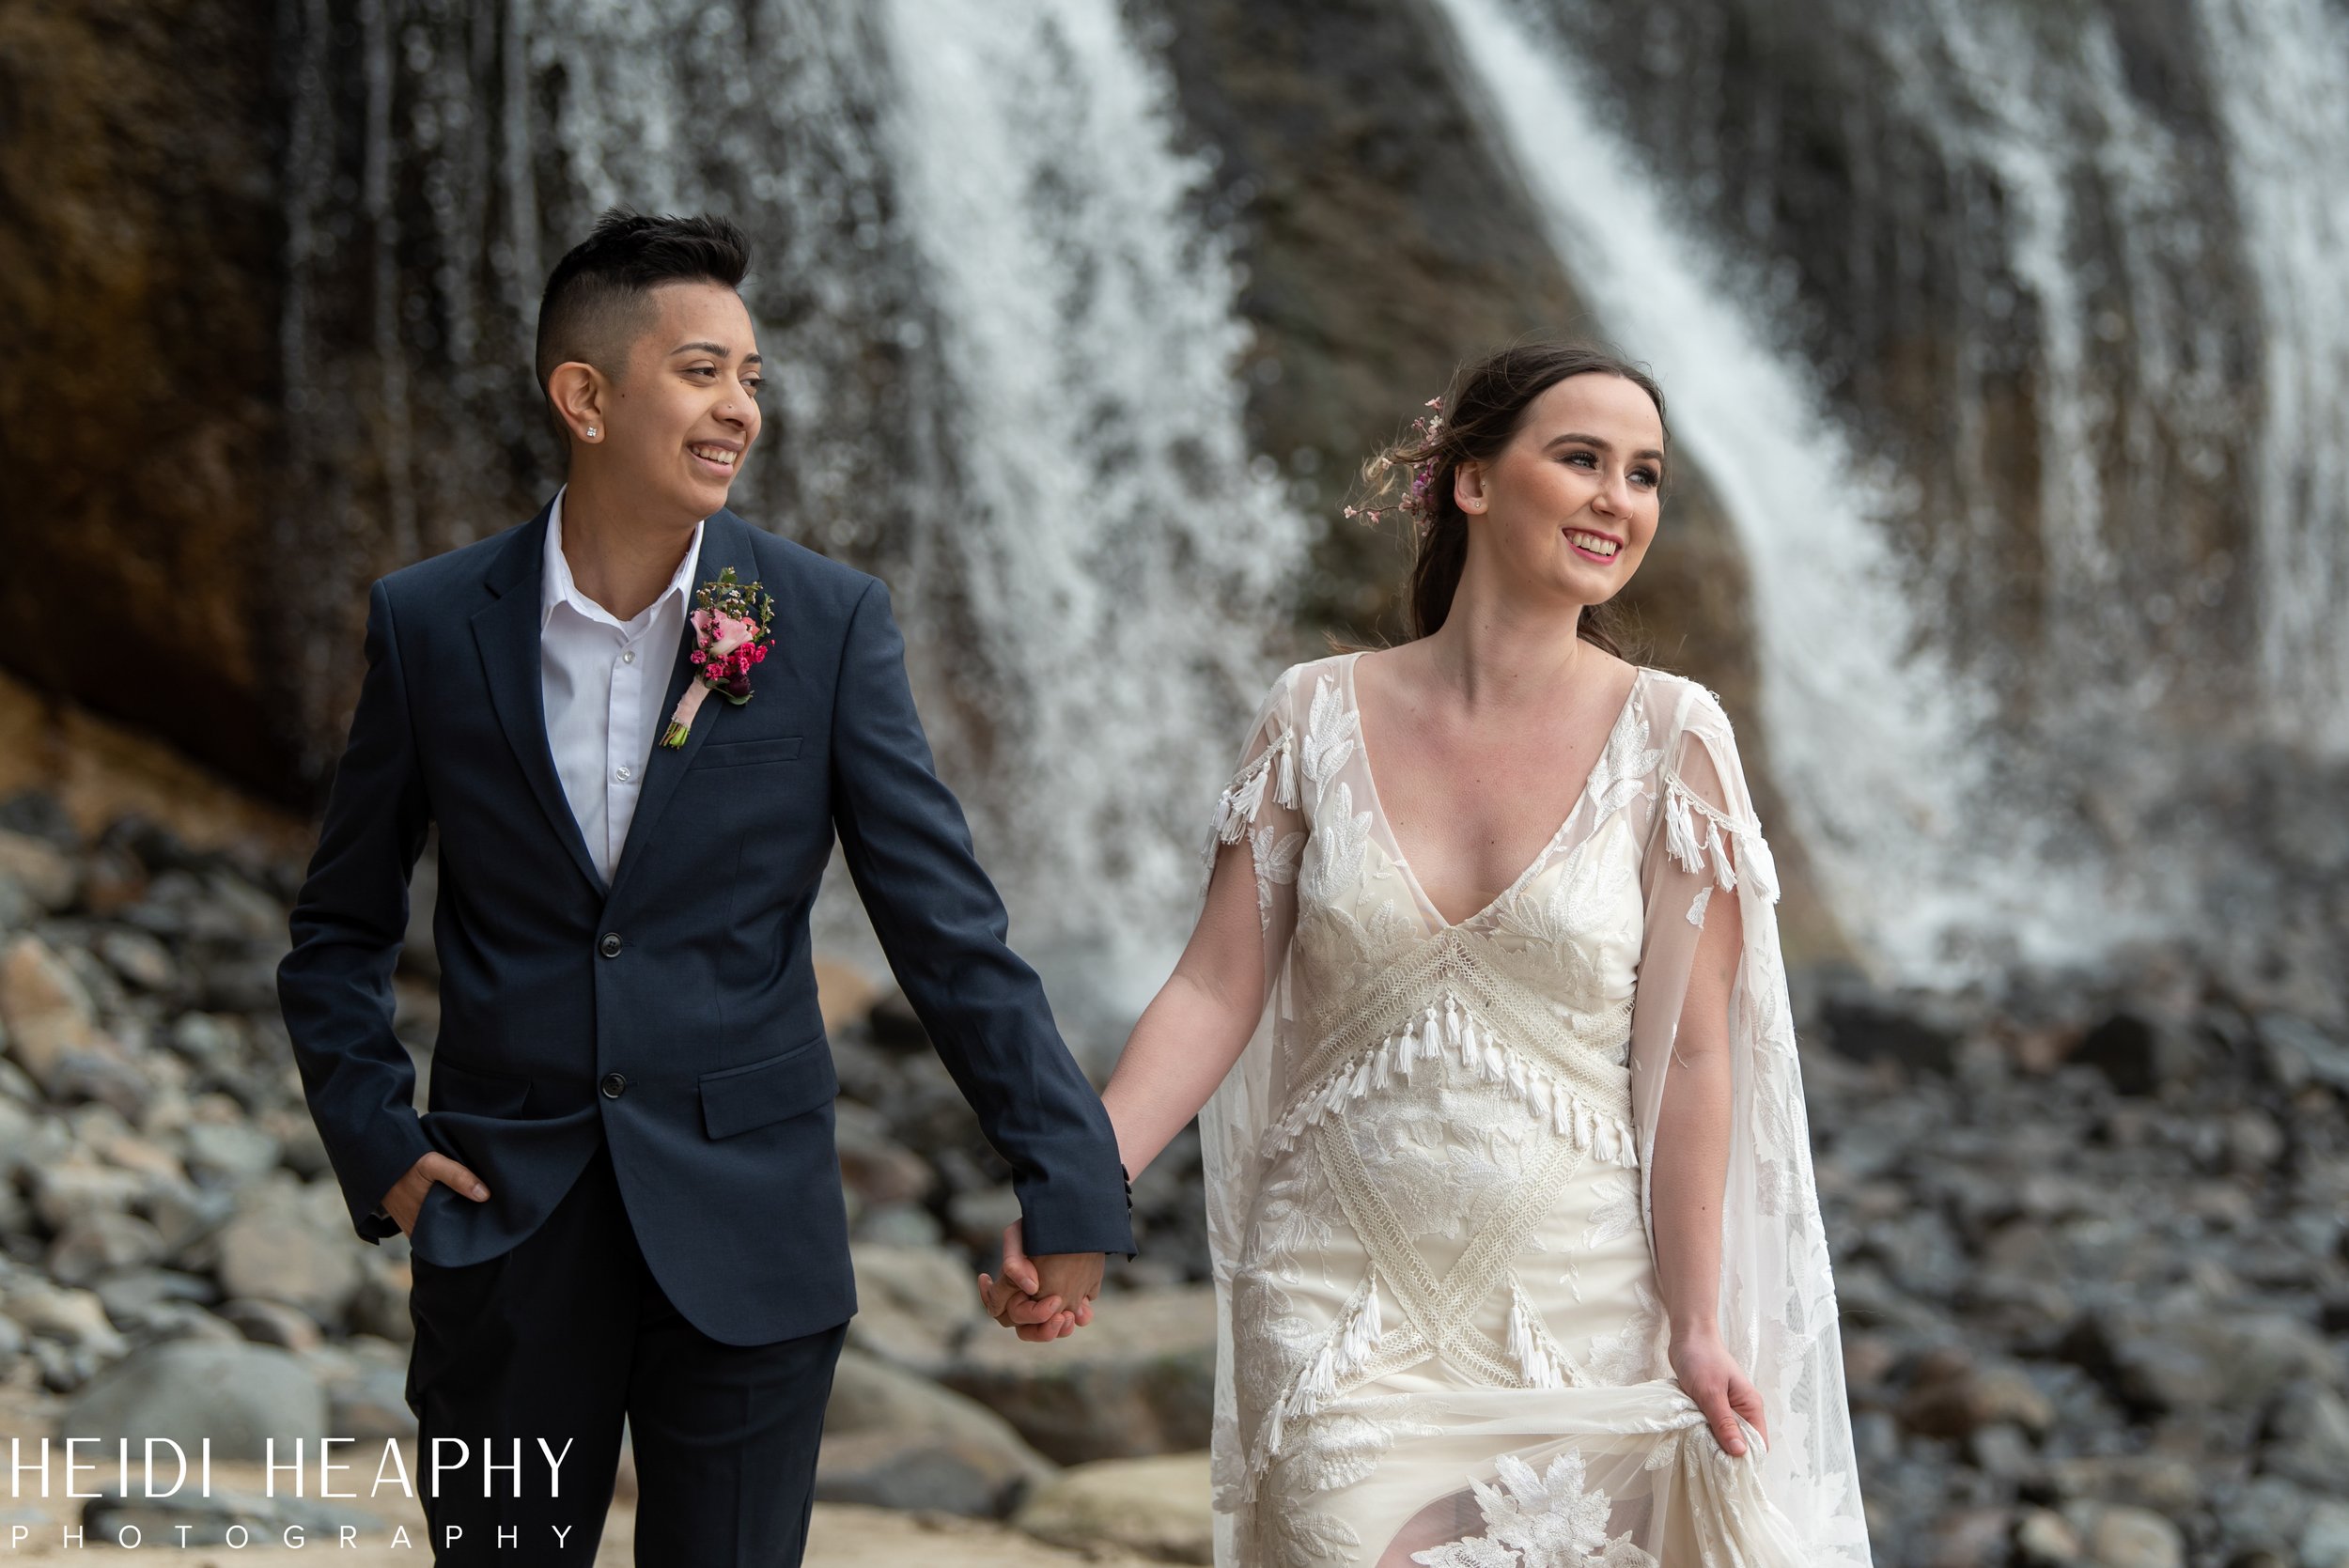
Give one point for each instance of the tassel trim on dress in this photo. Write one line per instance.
(1539, 1360)
(1457, 1037)
(1242, 799)
(1347, 1349)
(1682, 807)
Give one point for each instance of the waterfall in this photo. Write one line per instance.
(2279, 67)
(1870, 728)
(1120, 569)
(999, 339)
(1987, 437)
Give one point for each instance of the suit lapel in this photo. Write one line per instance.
(726, 542)
(506, 631)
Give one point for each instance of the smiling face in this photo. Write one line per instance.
(674, 425)
(1565, 510)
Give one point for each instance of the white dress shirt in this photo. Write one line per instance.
(603, 680)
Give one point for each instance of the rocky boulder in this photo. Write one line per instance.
(237, 1395)
(916, 1306)
(1159, 1508)
(1139, 1381)
(896, 1441)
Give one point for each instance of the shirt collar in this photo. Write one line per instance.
(557, 587)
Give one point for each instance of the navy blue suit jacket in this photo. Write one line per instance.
(671, 1013)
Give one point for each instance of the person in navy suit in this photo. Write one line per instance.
(623, 1200)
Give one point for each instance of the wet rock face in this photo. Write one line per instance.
(138, 367)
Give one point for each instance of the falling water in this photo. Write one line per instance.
(2001, 626)
(999, 342)
(1120, 569)
(1868, 729)
(2280, 66)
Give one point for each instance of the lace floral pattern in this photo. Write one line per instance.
(1550, 1520)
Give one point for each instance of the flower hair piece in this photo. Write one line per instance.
(1399, 479)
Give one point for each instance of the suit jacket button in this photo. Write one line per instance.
(615, 1084)
(610, 946)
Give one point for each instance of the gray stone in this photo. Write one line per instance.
(271, 1323)
(275, 1248)
(1159, 1508)
(1139, 1381)
(236, 1394)
(2134, 1538)
(2198, 1356)
(874, 1166)
(2298, 1051)
(74, 1318)
(1950, 1395)
(138, 958)
(381, 1308)
(101, 1243)
(365, 1381)
(207, 1039)
(979, 1218)
(916, 1306)
(2044, 1538)
(229, 1152)
(896, 1441)
(130, 1300)
(2162, 1482)
(78, 1187)
(48, 1011)
(2268, 1515)
(186, 1215)
(2324, 1543)
(899, 1225)
(2308, 1437)
(1972, 1538)
(47, 877)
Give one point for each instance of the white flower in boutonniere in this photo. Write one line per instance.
(732, 631)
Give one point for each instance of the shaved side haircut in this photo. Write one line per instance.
(598, 296)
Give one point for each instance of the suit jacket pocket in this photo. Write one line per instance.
(470, 1091)
(736, 1099)
(736, 753)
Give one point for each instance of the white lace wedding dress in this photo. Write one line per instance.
(1443, 1339)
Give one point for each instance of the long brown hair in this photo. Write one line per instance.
(1474, 421)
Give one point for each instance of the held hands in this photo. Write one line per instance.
(407, 1194)
(1047, 1297)
(1711, 1376)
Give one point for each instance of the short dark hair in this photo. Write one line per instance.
(594, 297)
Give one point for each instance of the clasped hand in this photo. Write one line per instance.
(1047, 1297)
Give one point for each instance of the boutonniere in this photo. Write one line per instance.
(731, 633)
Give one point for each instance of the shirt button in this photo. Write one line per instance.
(623, 772)
(610, 946)
(629, 658)
(614, 1085)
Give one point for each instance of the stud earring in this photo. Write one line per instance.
(591, 432)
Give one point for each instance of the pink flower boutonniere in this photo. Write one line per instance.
(731, 632)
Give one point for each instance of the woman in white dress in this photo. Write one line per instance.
(1515, 1240)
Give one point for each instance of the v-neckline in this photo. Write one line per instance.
(1403, 859)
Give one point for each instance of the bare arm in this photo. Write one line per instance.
(1691, 1168)
(1197, 1025)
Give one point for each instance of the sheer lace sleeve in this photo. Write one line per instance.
(1258, 816)
(1260, 829)
(1707, 867)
